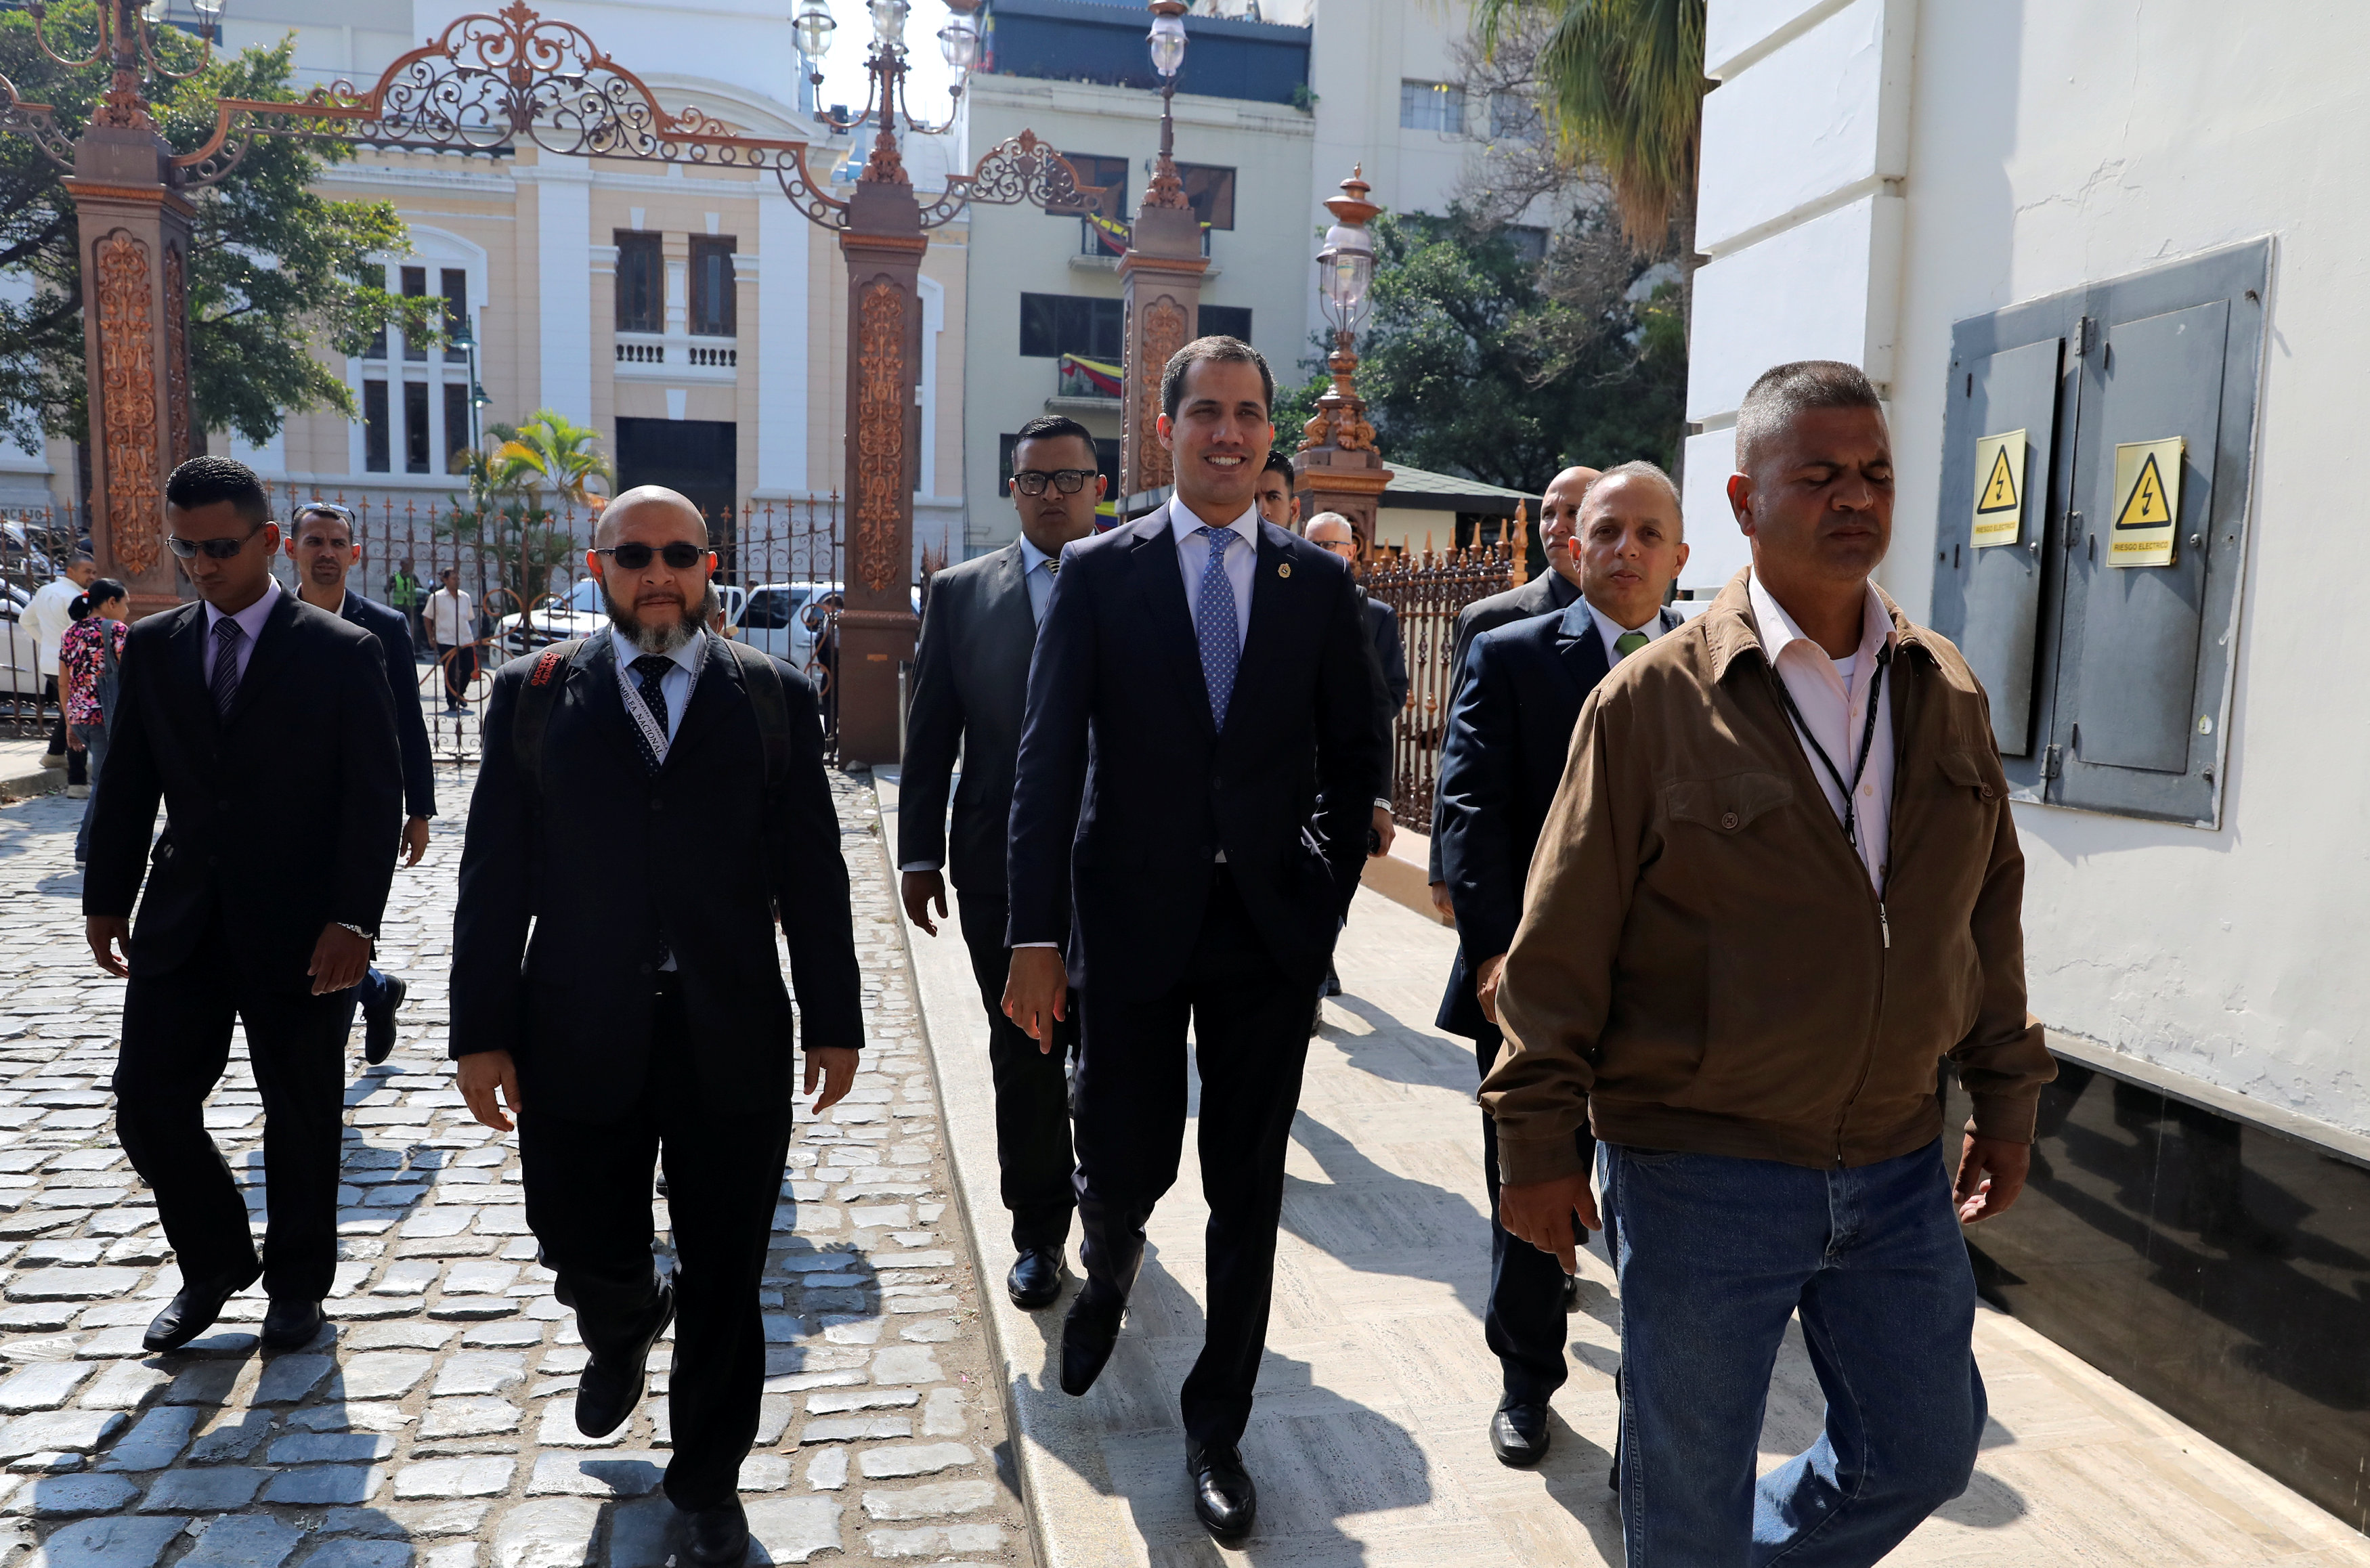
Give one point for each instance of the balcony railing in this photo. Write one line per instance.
(1108, 238)
(677, 356)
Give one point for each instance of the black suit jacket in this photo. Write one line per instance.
(394, 635)
(1509, 733)
(1126, 790)
(280, 817)
(1390, 658)
(970, 688)
(1544, 594)
(567, 903)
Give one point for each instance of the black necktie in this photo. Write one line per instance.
(228, 635)
(651, 668)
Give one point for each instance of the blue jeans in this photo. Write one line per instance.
(1715, 1255)
(94, 753)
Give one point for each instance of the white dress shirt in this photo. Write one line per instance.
(47, 618)
(674, 686)
(1036, 567)
(449, 617)
(1832, 696)
(1194, 559)
(250, 620)
(1612, 630)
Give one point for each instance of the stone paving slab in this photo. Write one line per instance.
(432, 1425)
(1369, 1442)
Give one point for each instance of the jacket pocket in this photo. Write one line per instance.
(1729, 804)
(1974, 771)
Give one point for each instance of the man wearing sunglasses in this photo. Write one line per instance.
(321, 542)
(630, 851)
(970, 686)
(229, 707)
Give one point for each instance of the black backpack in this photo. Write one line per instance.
(758, 672)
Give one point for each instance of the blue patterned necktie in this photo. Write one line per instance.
(225, 685)
(1214, 624)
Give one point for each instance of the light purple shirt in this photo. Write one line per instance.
(250, 620)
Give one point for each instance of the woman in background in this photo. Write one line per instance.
(86, 659)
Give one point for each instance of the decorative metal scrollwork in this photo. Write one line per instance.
(1023, 169)
(37, 120)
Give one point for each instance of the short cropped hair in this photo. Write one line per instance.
(1054, 427)
(202, 481)
(1280, 461)
(1172, 376)
(1640, 469)
(1784, 390)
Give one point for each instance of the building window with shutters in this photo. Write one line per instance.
(415, 287)
(711, 285)
(415, 427)
(456, 426)
(375, 443)
(641, 283)
(453, 284)
(1054, 325)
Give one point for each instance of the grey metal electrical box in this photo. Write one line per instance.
(2110, 685)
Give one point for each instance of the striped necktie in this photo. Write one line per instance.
(228, 635)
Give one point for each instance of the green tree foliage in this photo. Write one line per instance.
(1481, 361)
(510, 515)
(278, 273)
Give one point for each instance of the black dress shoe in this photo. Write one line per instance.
(379, 1023)
(717, 1536)
(1224, 1498)
(1035, 1279)
(1518, 1433)
(1571, 1293)
(192, 1312)
(612, 1384)
(292, 1322)
(1088, 1335)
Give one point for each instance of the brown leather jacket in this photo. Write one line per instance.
(1702, 963)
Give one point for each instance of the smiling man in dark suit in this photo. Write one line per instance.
(231, 709)
(652, 804)
(971, 685)
(1196, 774)
(1508, 735)
(321, 542)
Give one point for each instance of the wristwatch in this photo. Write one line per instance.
(365, 935)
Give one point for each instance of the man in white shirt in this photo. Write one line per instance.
(47, 617)
(452, 620)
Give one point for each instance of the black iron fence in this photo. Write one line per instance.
(1429, 590)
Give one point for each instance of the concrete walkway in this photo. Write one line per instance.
(1369, 1440)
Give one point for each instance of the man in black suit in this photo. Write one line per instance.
(1554, 589)
(230, 710)
(1508, 735)
(1190, 812)
(641, 812)
(321, 542)
(971, 685)
(1276, 502)
(1331, 530)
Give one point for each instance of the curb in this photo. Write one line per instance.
(41, 781)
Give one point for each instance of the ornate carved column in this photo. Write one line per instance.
(134, 232)
(883, 244)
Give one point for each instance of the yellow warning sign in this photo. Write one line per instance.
(2147, 502)
(1999, 489)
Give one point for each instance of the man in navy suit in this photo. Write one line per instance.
(1195, 778)
(1509, 730)
(321, 542)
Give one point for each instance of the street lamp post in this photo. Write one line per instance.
(1337, 468)
(1160, 282)
(465, 338)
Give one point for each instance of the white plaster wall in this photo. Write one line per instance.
(2058, 143)
(782, 291)
(564, 283)
(1822, 290)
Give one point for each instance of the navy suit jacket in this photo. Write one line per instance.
(1126, 789)
(394, 635)
(971, 688)
(1509, 732)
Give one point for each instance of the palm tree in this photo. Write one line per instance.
(508, 517)
(551, 452)
(1625, 87)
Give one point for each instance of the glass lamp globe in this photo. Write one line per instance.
(959, 43)
(1167, 40)
(208, 10)
(1344, 270)
(813, 28)
(889, 23)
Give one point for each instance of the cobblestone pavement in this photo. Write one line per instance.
(432, 1423)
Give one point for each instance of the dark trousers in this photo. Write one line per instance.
(460, 661)
(175, 1044)
(1033, 1095)
(588, 1204)
(1524, 1319)
(75, 766)
(1250, 1026)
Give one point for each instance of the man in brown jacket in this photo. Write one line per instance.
(1780, 885)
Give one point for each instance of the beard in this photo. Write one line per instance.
(664, 639)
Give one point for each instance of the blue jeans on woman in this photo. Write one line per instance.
(93, 748)
(1716, 1254)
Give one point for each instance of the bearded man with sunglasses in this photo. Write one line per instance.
(970, 688)
(651, 801)
(228, 708)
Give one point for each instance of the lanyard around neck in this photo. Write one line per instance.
(1850, 823)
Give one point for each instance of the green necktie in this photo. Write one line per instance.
(1628, 643)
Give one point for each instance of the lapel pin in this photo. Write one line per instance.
(1284, 568)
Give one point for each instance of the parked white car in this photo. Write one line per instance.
(782, 619)
(579, 614)
(18, 668)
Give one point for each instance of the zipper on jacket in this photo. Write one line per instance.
(1884, 925)
(1907, 718)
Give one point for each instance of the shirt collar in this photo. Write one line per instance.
(1183, 520)
(1778, 631)
(251, 619)
(686, 658)
(1031, 557)
(1612, 630)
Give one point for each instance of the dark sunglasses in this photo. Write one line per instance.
(679, 557)
(1069, 481)
(212, 549)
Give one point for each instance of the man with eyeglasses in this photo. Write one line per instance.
(651, 803)
(228, 708)
(321, 542)
(970, 686)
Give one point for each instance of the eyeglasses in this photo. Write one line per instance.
(679, 557)
(1345, 548)
(212, 549)
(1069, 481)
